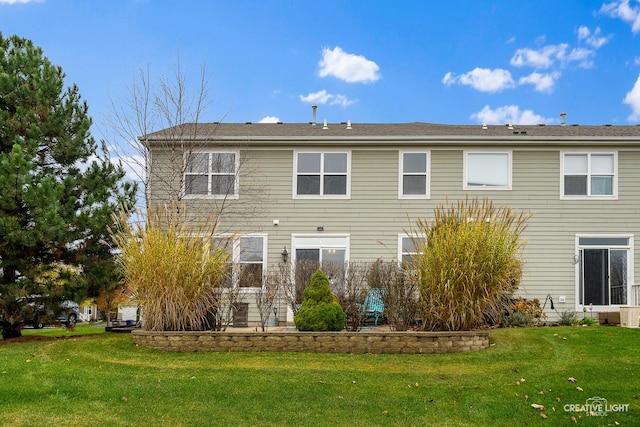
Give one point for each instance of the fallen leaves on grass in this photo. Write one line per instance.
(579, 389)
(572, 380)
(536, 406)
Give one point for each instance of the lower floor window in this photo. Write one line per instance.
(250, 260)
(603, 270)
(328, 253)
(247, 265)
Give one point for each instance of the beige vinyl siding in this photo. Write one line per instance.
(374, 215)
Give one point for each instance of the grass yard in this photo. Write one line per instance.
(103, 379)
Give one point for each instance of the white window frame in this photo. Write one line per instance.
(210, 174)
(630, 268)
(237, 253)
(322, 153)
(466, 162)
(402, 174)
(588, 196)
(320, 242)
(401, 251)
(235, 250)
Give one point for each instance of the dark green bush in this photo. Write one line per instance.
(320, 310)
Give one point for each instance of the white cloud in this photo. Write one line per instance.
(633, 100)
(341, 100)
(542, 82)
(580, 55)
(323, 97)
(320, 97)
(621, 9)
(547, 56)
(540, 58)
(508, 114)
(482, 79)
(592, 39)
(583, 32)
(269, 119)
(347, 66)
(132, 164)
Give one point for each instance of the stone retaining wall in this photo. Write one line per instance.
(315, 342)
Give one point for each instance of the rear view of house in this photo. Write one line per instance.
(344, 192)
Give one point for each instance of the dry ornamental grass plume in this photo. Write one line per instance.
(174, 270)
(470, 265)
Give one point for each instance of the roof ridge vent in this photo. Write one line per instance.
(324, 125)
(484, 124)
(510, 124)
(349, 124)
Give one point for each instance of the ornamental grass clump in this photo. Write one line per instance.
(320, 310)
(171, 270)
(470, 266)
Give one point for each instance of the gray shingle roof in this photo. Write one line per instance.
(393, 131)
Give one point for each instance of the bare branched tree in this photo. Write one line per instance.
(227, 301)
(353, 294)
(266, 296)
(170, 105)
(164, 141)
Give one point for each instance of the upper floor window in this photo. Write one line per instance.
(589, 175)
(487, 170)
(414, 175)
(324, 174)
(211, 174)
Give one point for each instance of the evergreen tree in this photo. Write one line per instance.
(57, 193)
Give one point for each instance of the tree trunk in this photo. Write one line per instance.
(11, 330)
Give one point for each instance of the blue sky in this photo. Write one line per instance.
(371, 61)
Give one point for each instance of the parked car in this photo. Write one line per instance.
(35, 313)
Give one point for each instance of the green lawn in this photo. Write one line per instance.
(103, 379)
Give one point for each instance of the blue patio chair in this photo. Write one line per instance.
(374, 305)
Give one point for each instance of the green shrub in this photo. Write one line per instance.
(517, 318)
(525, 312)
(470, 266)
(320, 310)
(587, 321)
(567, 318)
